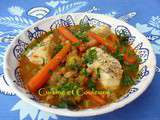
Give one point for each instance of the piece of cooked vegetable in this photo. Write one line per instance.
(42, 76)
(90, 56)
(132, 67)
(91, 84)
(84, 27)
(127, 80)
(62, 105)
(57, 49)
(96, 37)
(131, 59)
(98, 72)
(81, 36)
(107, 42)
(73, 62)
(68, 35)
(95, 98)
(69, 86)
(84, 72)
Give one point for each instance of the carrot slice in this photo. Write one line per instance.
(96, 98)
(130, 59)
(110, 44)
(43, 75)
(97, 37)
(113, 38)
(68, 35)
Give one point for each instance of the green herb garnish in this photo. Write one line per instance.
(90, 56)
(84, 27)
(118, 55)
(67, 104)
(69, 86)
(85, 39)
(132, 67)
(139, 60)
(91, 84)
(63, 105)
(127, 80)
(50, 32)
(104, 48)
(58, 47)
(81, 36)
(76, 44)
(84, 72)
(98, 72)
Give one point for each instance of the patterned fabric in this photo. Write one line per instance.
(16, 15)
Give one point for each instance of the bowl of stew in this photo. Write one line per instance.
(79, 64)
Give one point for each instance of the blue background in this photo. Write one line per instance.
(146, 107)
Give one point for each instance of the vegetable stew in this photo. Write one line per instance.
(79, 67)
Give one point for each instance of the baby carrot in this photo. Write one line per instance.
(110, 44)
(131, 59)
(97, 37)
(96, 98)
(68, 35)
(43, 75)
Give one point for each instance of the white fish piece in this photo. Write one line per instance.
(41, 53)
(110, 69)
(109, 80)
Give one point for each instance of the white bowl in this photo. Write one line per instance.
(137, 40)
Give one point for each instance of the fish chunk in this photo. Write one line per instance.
(110, 69)
(41, 53)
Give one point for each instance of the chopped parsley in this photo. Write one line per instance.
(62, 105)
(84, 72)
(85, 39)
(132, 67)
(139, 60)
(84, 27)
(91, 84)
(67, 104)
(76, 44)
(69, 86)
(90, 56)
(81, 36)
(50, 32)
(58, 47)
(127, 80)
(118, 55)
(98, 72)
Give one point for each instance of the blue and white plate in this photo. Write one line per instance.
(137, 41)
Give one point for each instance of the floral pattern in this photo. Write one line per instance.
(152, 31)
(19, 18)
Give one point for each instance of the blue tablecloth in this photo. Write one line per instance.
(15, 15)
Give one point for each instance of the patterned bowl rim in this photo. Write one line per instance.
(82, 113)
